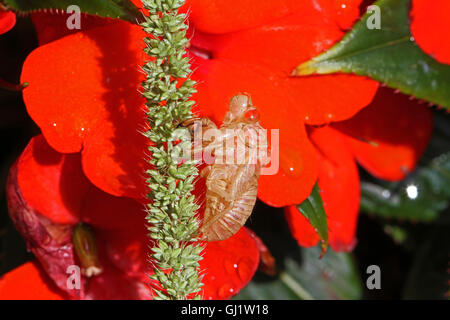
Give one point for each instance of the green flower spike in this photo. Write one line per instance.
(173, 224)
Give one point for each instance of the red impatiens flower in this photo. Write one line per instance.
(386, 138)
(83, 93)
(7, 21)
(48, 196)
(429, 27)
(83, 87)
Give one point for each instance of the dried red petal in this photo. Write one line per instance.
(429, 27)
(90, 99)
(7, 21)
(389, 136)
(229, 265)
(50, 243)
(28, 282)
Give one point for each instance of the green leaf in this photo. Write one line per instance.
(420, 197)
(388, 55)
(312, 209)
(121, 9)
(429, 277)
(334, 276)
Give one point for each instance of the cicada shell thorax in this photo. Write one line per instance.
(232, 186)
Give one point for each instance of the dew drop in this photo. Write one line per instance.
(230, 267)
(291, 163)
(225, 291)
(343, 6)
(245, 269)
(54, 124)
(411, 39)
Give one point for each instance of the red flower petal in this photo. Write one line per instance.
(28, 282)
(7, 21)
(339, 185)
(220, 80)
(429, 27)
(300, 227)
(339, 182)
(388, 137)
(229, 265)
(346, 11)
(52, 26)
(70, 198)
(108, 212)
(128, 249)
(111, 284)
(222, 16)
(90, 99)
(294, 39)
(51, 183)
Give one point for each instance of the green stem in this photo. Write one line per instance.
(171, 209)
(296, 287)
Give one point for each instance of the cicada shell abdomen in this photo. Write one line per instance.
(228, 205)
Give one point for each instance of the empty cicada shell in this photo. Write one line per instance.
(239, 149)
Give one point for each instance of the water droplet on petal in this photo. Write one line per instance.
(245, 269)
(230, 267)
(54, 124)
(291, 163)
(225, 291)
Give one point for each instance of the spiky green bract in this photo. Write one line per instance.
(171, 216)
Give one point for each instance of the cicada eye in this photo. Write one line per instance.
(252, 116)
(238, 104)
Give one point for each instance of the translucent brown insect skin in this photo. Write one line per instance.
(232, 187)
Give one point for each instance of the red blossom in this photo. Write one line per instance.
(83, 94)
(387, 138)
(89, 100)
(48, 195)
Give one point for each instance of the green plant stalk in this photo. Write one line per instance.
(173, 224)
